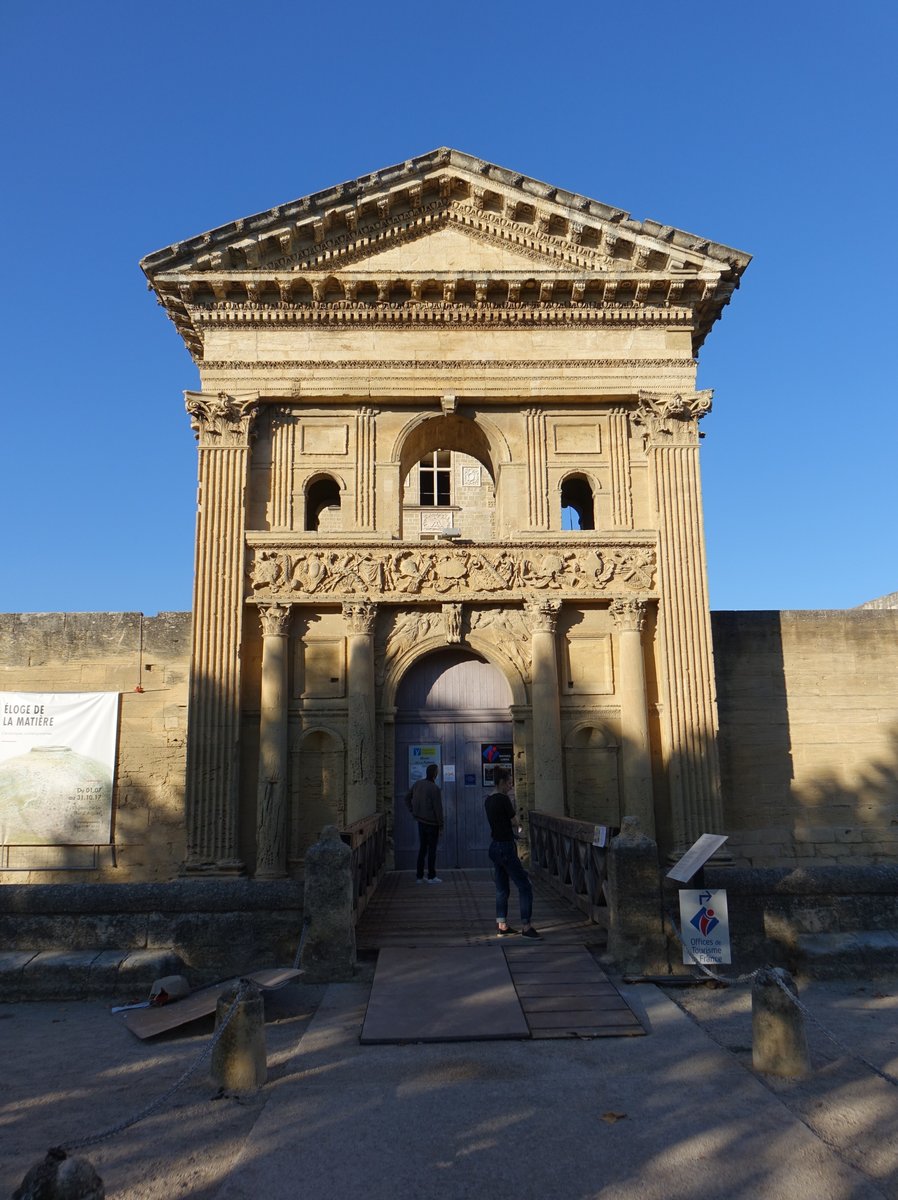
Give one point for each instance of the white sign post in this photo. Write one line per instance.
(705, 926)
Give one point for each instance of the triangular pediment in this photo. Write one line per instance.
(442, 214)
(456, 250)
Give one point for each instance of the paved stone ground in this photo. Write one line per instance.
(672, 1116)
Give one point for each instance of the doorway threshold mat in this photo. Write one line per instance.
(442, 994)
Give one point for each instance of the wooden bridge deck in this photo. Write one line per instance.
(426, 990)
(461, 911)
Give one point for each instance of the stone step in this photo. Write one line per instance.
(75, 974)
(844, 955)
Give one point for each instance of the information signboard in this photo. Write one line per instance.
(704, 926)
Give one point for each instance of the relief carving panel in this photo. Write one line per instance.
(488, 572)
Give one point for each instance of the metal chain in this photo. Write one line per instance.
(798, 1004)
(160, 1100)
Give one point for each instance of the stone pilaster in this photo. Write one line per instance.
(547, 775)
(361, 783)
(684, 626)
(283, 450)
(629, 617)
(537, 468)
(271, 804)
(223, 427)
(365, 490)
(621, 473)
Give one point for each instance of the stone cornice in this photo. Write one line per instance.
(334, 229)
(426, 571)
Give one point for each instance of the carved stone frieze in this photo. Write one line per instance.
(409, 628)
(672, 420)
(221, 420)
(439, 364)
(417, 569)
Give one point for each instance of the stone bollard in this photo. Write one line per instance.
(636, 940)
(779, 1044)
(328, 952)
(239, 1062)
(59, 1177)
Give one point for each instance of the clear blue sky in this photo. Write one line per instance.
(768, 126)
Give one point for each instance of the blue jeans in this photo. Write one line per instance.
(507, 866)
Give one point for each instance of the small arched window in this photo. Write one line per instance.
(578, 510)
(322, 499)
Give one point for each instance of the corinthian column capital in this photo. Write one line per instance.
(672, 420)
(542, 615)
(275, 619)
(628, 614)
(360, 616)
(221, 420)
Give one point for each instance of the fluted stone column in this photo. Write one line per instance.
(629, 617)
(271, 805)
(361, 785)
(684, 626)
(547, 774)
(223, 426)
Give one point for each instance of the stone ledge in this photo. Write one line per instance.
(842, 955)
(77, 974)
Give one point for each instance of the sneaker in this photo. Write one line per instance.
(507, 932)
(419, 880)
(530, 933)
(436, 879)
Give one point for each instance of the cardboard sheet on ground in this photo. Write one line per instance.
(147, 1022)
(443, 994)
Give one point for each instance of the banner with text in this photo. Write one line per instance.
(57, 763)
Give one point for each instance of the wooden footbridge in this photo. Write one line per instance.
(442, 974)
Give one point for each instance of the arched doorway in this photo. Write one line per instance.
(453, 705)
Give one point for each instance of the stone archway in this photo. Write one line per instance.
(456, 702)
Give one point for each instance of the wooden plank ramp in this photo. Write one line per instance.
(560, 988)
(564, 992)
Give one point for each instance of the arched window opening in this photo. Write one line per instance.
(577, 504)
(323, 504)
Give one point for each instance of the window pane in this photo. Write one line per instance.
(443, 487)
(426, 487)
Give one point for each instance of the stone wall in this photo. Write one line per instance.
(147, 660)
(808, 705)
(808, 713)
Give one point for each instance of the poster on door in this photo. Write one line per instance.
(57, 762)
(496, 754)
(419, 759)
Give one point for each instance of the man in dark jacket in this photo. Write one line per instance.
(504, 856)
(425, 802)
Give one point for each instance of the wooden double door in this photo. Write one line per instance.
(453, 709)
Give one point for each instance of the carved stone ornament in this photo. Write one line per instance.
(672, 420)
(452, 622)
(628, 614)
(417, 570)
(275, 619)
(509, 632)
(542, 615)
(360, 616)
(221, 420)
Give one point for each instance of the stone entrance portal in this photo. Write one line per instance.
(445, 408)
(459, 703)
